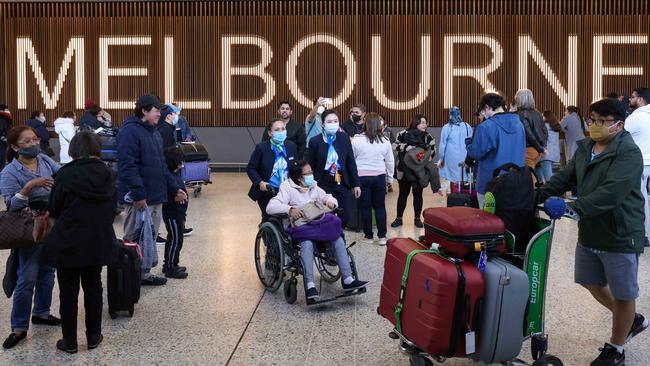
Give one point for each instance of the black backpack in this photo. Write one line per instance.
(514, 199)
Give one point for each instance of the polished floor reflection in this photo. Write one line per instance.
(221, 315)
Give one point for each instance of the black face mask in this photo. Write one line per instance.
(30, 152)
(355, 118)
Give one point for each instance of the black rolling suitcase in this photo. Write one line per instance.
(462, 193)
(354, 216)
(194, 151)
(123, 279)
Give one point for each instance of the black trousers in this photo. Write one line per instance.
(91, 282)
(175, 227)
(405, 187)
(343, 196)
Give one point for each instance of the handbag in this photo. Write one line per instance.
(17, 229)
(326, 229)
(311, 211)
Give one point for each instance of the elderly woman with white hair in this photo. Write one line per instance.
(533, 121)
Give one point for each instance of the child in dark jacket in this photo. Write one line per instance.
(174, 212)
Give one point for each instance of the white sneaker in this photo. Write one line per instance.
(383, 241)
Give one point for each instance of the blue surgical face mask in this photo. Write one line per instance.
(331, 128)
(309, 180)
(175, 120)
(279, 136)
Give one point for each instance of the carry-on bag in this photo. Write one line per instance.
(354, 223)
(463, 193)
(504, 310)
(195, 171)
(194, 151)
(108, 137)
(463, 232)
(434, 301)
(124, 277)
(511, 196)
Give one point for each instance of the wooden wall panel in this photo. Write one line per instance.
(198, 29)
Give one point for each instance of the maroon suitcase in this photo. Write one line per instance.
(442, 299)
(464, 231)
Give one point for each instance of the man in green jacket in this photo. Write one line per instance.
(606, 169)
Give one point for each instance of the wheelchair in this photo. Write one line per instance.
(277, 260)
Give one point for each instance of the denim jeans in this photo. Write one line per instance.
(307, 258)
(31, 276)
(544, 170)
(373, 196)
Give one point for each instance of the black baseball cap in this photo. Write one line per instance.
(148, 100)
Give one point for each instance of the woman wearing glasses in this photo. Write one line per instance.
(26, 181)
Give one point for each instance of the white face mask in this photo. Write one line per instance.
(331, 128)
(175, 120)
(320, 109)
(42, 119)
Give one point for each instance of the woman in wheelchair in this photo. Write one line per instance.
(299, 190)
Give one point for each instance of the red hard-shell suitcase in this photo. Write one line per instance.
(442, 300)
(463, 231)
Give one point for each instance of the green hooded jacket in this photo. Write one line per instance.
(610, 203)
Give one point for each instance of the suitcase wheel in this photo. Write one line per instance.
(112, 314)
(549, 360)
(420, 361)
(131, 312)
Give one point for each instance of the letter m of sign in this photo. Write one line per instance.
(25, 51)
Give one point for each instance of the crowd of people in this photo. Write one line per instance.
(352, 165)
(348, 164)
(80, 193)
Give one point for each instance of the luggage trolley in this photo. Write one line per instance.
(196, 169)
(535, 262)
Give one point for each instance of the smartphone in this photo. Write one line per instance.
(327, 101)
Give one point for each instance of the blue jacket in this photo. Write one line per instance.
(141, 164)
(185, 128)
(260, 165)
(498, 140)
(318, 155)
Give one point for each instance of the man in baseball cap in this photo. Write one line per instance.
(143, 176)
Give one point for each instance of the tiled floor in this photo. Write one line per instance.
(220, 314)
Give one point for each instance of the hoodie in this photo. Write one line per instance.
(64, 127)
(142, 170)
(499, 140)
(83, 203)
(638, 125)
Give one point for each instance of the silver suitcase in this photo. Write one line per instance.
(502, 327)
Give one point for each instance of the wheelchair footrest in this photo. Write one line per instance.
(345, 294)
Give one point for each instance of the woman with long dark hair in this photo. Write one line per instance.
(416, 135)
(25, 183)
(375, 164)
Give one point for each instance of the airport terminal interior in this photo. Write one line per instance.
(234, 84)
(221, 314)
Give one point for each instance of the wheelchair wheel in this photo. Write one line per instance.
(269, 257)
(548, 360)
(290, 290)
(327, 266)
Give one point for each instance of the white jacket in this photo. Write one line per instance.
(66, 130)
(377, 157)
(638, 125)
